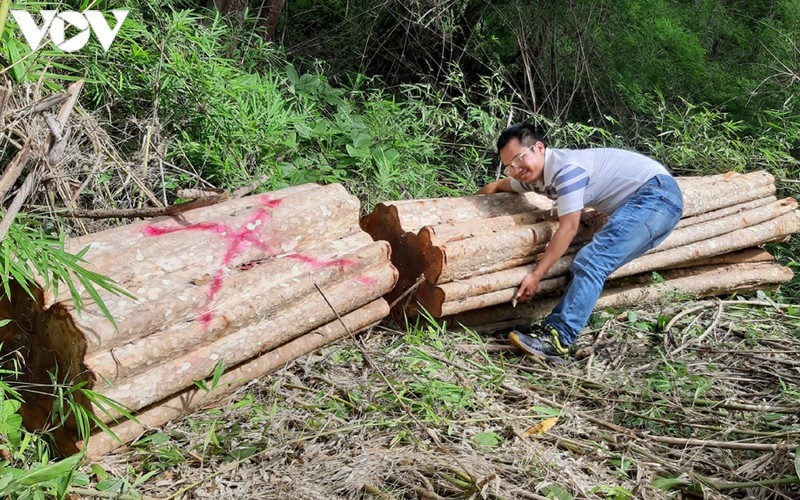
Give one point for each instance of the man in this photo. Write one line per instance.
(640, 197)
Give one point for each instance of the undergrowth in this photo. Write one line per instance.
(704, 401)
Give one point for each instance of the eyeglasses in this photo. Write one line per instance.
(512, 167)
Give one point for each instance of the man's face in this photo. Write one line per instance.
(523, 163)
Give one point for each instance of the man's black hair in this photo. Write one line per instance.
(525, 133)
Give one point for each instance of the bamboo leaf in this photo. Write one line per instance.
(52, 471)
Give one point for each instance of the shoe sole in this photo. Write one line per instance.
(513, 338)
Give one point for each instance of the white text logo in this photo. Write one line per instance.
(57, 22)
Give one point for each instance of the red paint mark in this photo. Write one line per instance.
(315, 263)
(237, 240)
(367, 281)
(269, 202)
(206, 317)
(160, 231)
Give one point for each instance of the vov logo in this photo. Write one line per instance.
(57, 23)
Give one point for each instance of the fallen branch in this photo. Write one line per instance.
(14, 170)
(726, 445)
(149, 212)
(757, 484)
(19, 199)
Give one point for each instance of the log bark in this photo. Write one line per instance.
(180, 404)
(432, 297)
(495, 252)
(758, 234)
(546, 288)
(703, 282)
(498, 288)
(707, 197)
(207, 285)
(723, 212)
(446, 233)
(727, 224)
(390, 219)
(748, 255)
(310, 312)
(270, 287)
(203, 246)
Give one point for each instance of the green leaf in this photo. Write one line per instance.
(52, 471)
(544, 410)
(797, 461)
(487, 439)
(556, 491)
(680, 482)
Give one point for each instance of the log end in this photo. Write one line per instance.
(50, 347)
(383, 223)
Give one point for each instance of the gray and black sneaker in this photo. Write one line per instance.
(539, 340)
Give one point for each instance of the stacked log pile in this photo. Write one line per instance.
(466, 256)
(248, 285)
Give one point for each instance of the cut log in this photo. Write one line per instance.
(310, 312)
(169, 254)
(206, 289)
(727, 224)
(271, 286)
(180, 404)
(495, 252)
(748, 255)
(446, 233)
(758, 234)
(500, 287)
(390, 219)
(433, 297)
(707, 197)
(703, 282)
(546, 288)
(723, 212)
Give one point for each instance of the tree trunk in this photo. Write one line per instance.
(199, 362)
(192, 258)
(723, 212)
(703, 282)
(275, 284)
(717, 227)
(494, 252)
(759, 234)
(269, 14)
(390, 219)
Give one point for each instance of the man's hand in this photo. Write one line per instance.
(567, 228)
(527, 289)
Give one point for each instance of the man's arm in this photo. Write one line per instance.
(501, 186)
(567, 228)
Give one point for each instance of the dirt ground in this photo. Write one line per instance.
(683, 400)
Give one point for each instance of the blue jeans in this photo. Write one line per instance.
(639, 224)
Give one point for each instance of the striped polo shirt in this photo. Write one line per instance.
(599, 178)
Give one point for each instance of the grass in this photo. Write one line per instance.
(448, 412)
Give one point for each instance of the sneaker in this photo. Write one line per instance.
(538, 340)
